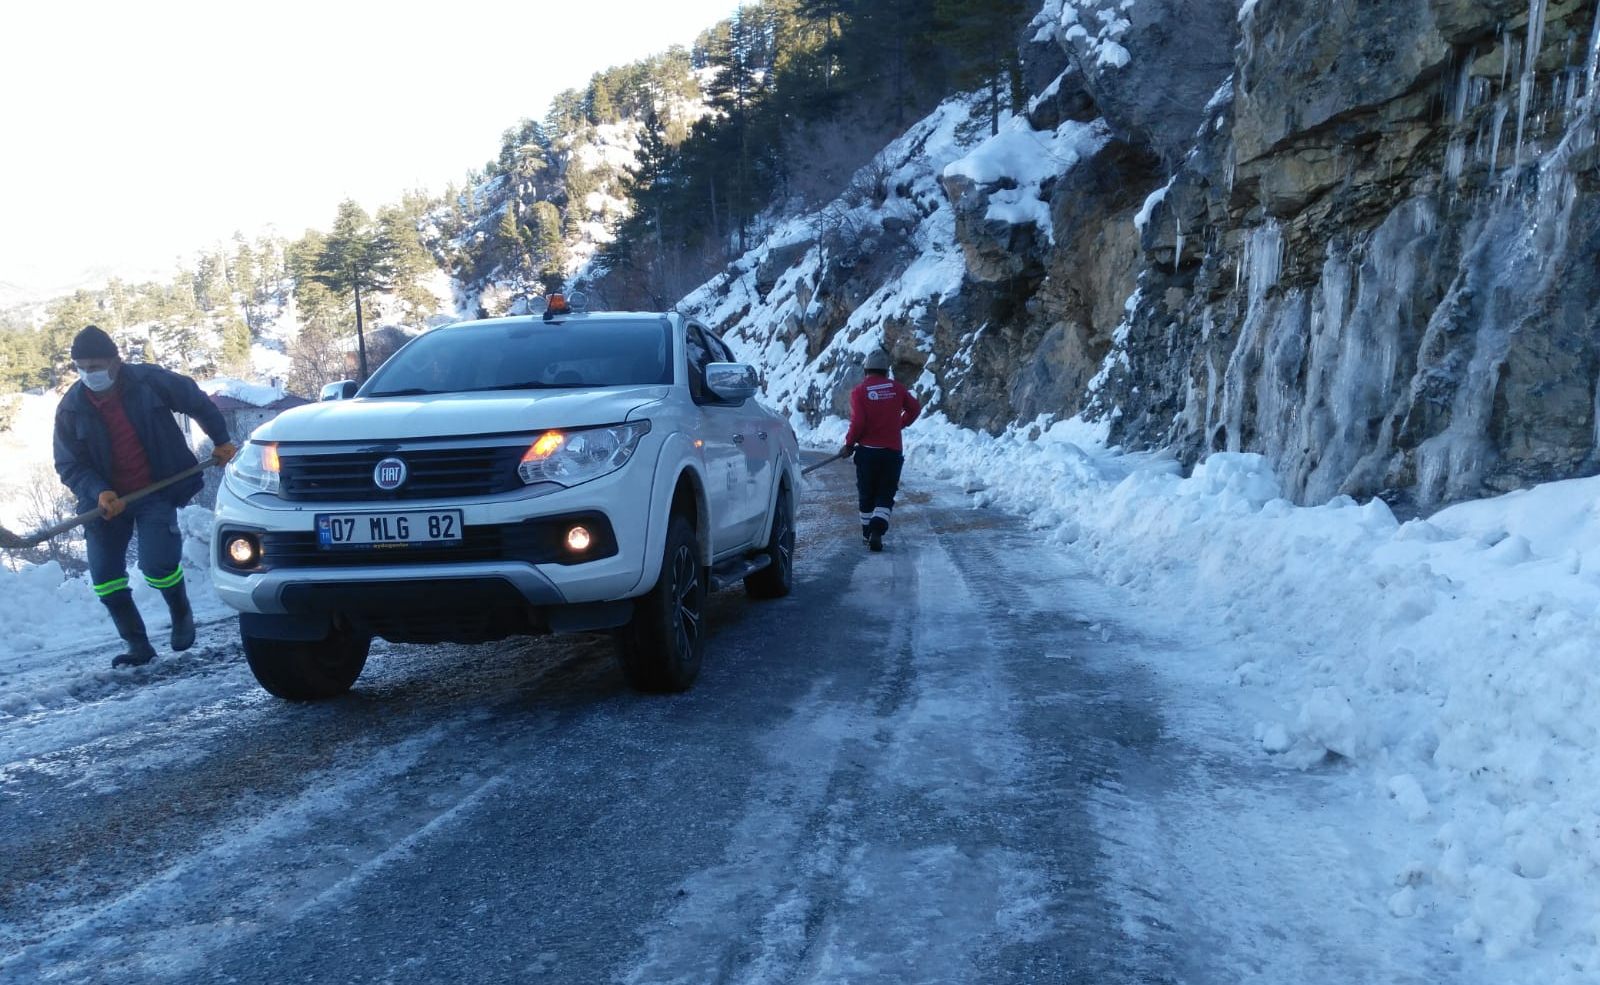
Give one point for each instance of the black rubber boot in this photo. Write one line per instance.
(866, 533)
(182, 617)
(130, 626)
(876, 529)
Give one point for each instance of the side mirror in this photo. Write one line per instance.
(342, 390)
(733, 382)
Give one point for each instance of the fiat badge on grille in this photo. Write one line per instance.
(389, 474)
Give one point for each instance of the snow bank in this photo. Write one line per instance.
(57, 633)
(1450, 659)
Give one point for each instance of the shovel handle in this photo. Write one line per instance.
(40, 536)
(817, 465)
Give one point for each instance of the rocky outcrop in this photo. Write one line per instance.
(1394, 290)
(1356, 238)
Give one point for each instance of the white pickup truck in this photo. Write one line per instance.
(568, 472)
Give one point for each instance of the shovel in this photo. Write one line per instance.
(817, 465)
(10, 541)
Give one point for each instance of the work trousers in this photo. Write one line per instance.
(155, 520)
(877, 480)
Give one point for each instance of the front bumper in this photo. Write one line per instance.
(504, 559)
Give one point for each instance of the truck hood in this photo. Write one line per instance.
(454, 415)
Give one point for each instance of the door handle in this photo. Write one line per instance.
(738, 439)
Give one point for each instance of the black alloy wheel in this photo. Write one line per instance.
(662, 647)
(777, 579)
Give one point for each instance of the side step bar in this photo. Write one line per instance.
(737, 569)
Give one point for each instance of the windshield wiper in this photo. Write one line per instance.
(415, 391)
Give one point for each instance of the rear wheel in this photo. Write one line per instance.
(777, 578)
(297, 670)
(661, 648)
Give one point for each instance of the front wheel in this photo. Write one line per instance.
(297, 670)
(777, 578)
(661, 648)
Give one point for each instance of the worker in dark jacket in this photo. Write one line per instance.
(115, 433)
(880, 409)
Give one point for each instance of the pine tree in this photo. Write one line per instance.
(234, 355)
(983, 36)
(601, 109)
(567, 114)
(413, 263)
(549, 246)
(356, 257)
(243, 276)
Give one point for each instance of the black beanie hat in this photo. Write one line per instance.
(92, 343)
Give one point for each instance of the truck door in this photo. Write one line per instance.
(756, 448)
(718, 436)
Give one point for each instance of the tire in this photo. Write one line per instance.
(662, 646)
(777, 579)
(296, 670)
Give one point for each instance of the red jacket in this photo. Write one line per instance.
(879, 409)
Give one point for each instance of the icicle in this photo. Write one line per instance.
(1454, 159)
(1264, 256)
(1535, 40)
(1177, 253)
(1505, 56)
(1592, 61)
(1501, 110)
(1463, 88)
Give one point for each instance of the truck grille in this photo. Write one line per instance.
(433, 473)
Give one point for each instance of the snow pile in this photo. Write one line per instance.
(1024, 160)
(1449, 659)
(1100, 25)
(254, 394)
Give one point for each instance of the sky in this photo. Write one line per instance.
(137, 133)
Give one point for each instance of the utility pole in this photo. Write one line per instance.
(361, 338)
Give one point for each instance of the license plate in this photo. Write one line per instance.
(368, 531)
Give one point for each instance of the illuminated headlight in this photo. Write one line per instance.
(579, 539)
(255, 468)
(571, 457)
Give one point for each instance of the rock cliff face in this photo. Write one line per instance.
(1358, 238)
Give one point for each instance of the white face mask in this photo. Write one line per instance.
(98, 382)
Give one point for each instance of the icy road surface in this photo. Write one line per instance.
(950, 762)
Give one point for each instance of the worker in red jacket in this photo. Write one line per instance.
(880, 409)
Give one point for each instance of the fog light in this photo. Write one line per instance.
(242, 551)
(579, 539)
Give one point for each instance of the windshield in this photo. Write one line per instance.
(578, 352)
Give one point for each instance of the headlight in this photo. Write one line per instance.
(571, 457)
(255, 468)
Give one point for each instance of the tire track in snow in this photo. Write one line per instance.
(879, 837)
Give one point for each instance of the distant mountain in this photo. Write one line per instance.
(37, 291)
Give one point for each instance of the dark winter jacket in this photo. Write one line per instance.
(150, 396)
